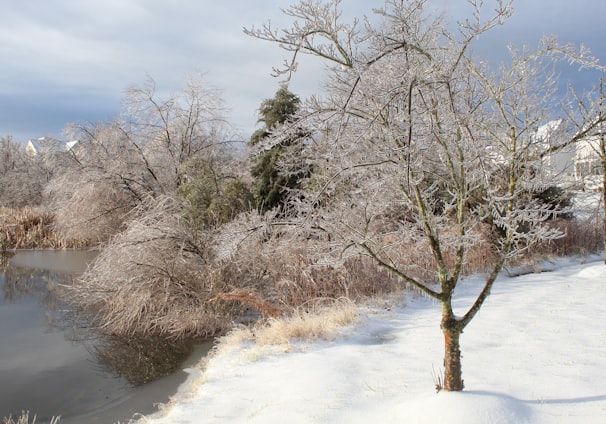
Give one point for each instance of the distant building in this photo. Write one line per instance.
(45, 145)
(557, 167)
(587, 161)
(578, 163)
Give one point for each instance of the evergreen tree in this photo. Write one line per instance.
(271, 185)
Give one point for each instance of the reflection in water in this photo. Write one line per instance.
(4, 259)
(62, 367)
(140, 360)
(22, 283)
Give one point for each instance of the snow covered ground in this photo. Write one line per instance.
(536, 353)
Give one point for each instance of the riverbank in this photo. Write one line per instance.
(535, 354)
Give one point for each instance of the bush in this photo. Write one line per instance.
(581, 237)
(154, 279)
(278, 277)
(214, 198)
(88, 206)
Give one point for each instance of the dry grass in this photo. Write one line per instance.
(304, 325)
(581, 237)
(24, 419)
(321, 322)
(29, 228)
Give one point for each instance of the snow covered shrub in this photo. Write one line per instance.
(87, 206)
(155, 279)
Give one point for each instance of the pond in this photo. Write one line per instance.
(52, 364)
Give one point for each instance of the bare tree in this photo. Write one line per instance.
(601, 150)
(171, 131)
(141, 153)
(420, 147)
(22, 176)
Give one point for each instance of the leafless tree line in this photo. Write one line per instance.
(22, 176)
(142, 153)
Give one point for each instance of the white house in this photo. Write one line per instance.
(587, 161)
(578, 163)
(557, 167)
(44, 145)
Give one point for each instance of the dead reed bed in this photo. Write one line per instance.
(30, 228)
(580, 237)
(276, 278)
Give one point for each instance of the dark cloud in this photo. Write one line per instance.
(70, 61)
(32, 115)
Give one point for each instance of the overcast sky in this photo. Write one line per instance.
(72, 60)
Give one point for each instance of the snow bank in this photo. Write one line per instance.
(536, 353)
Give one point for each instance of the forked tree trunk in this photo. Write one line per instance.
(453, 381)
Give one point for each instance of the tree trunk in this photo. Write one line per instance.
(603, 152)
(453, 381)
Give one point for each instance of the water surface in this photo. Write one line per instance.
(51, 364)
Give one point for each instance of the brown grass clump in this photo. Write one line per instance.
(307, 325)
(321, 322)
(24, 419)
(29, 228)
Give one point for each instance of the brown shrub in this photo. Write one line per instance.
(413, 256)
(581, 237)
(276, 278)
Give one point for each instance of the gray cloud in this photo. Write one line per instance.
(70, 61)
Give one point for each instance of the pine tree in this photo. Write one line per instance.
(272, 185)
